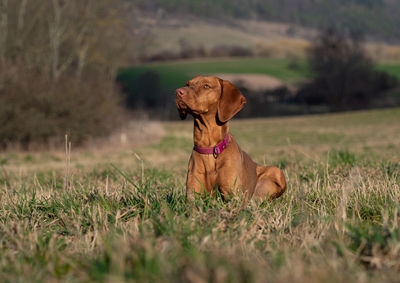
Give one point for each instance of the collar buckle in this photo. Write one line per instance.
(216, 152)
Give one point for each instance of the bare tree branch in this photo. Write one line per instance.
(21, 15)
(3, 29)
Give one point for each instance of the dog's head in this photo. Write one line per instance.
(203, 95)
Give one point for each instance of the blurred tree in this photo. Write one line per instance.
(51, 51)
(344, 76)
(146, 92)
(54, 36)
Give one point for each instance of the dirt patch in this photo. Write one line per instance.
(254, 82)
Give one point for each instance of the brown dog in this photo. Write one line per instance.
(217, 160)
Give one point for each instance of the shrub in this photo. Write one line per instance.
(344, 76)
(143, 92)
(161, 56)
(230, 51)
(192, 52)
(36, 110)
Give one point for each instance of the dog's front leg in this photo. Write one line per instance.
(195, 185)
(229, 182)
(196, 182)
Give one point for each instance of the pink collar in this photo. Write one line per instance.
(216, 150)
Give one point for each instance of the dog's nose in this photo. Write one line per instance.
(180, 91)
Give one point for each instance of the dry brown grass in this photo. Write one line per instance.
(338, 221)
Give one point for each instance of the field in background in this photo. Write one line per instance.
(279, 40)
(264, 38)
(391, 68)
(174, 74)
(117, 212)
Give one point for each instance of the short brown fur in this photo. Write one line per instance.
(213, 102)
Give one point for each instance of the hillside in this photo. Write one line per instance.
(166, 36)
(376, 19)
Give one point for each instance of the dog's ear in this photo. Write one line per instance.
(230, 102)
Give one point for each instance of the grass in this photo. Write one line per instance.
(122, 216)
(175, 74)
(391, 68)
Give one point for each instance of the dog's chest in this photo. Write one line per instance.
(211, 172)
(211, 177)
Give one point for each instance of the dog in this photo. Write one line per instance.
(217, 160)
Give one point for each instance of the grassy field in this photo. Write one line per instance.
(391, 68)
(117, 212)
(174, 74)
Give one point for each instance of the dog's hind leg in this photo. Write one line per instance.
(270, 183)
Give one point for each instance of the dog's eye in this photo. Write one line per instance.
(207, 86)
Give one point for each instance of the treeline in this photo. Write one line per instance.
(190, 52)
(377, 18)
(58, 61)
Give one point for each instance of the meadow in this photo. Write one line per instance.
(117, 212)
(172, 74)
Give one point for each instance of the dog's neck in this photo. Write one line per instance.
(207, 132)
